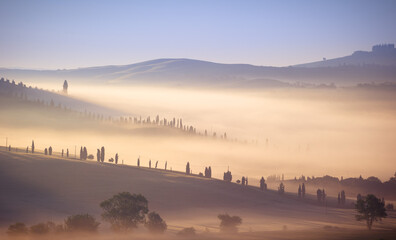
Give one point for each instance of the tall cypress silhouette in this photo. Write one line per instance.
(32, 146)
(299, 191)
(98, 155)
(303, 190)
(102, 154)
(188, 168)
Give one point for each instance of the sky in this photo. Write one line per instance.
(70, 34)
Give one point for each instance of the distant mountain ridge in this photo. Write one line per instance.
(377, 66)
(384, 55)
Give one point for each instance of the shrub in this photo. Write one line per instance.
(17, 229)
(81, 223)
(187, 232)
(229, 224)
(40, 228)
(155, 223)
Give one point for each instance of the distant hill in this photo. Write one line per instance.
(361, 67)
(383, 55)
(21, 91)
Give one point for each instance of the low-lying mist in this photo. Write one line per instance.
(339, 132)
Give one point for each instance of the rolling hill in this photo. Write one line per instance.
(36, 188)
(361, 67)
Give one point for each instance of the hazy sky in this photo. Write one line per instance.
(68, 34)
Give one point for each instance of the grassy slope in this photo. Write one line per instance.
(39, 188)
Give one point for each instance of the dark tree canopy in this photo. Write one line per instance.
(155, 224)
(229, 224)
(81, 223)
(187, 232)
(124, 211)
(370, 209)
(17, 229)
(42, 228)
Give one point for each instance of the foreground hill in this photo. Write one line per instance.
(39, 188)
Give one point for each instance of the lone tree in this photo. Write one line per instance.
(370, 209)
(81, 223)
(188, 168)
(229, 224)
(124, 211)
(155, 224)
(65, 86)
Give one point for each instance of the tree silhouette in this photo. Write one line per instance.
(243, 181)
(32, 146)
(116, 158)
(319, 195)
(263, 185)
(50, 150)
(281, 188)
(45, 151)
(343, 198)
(65, 86)
(17, 229)
(187, 232)
(188, 168)
(81, 223)
(229, 224)
(41, 228)
(370, 209)
(138, 162)
(150, 163)
(125, 210)
(102, 154)
(299, 191)
(155, 224)
(156, 164)
(67, 152)
(227, 176)
(303, 190)
(98, 155)
(166, 164)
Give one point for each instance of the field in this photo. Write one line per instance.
(37, 188)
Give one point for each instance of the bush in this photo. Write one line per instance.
(187, 232)
(155, 223)
(229, 224)
(81, 223)
(40, 228)
(17, 229)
